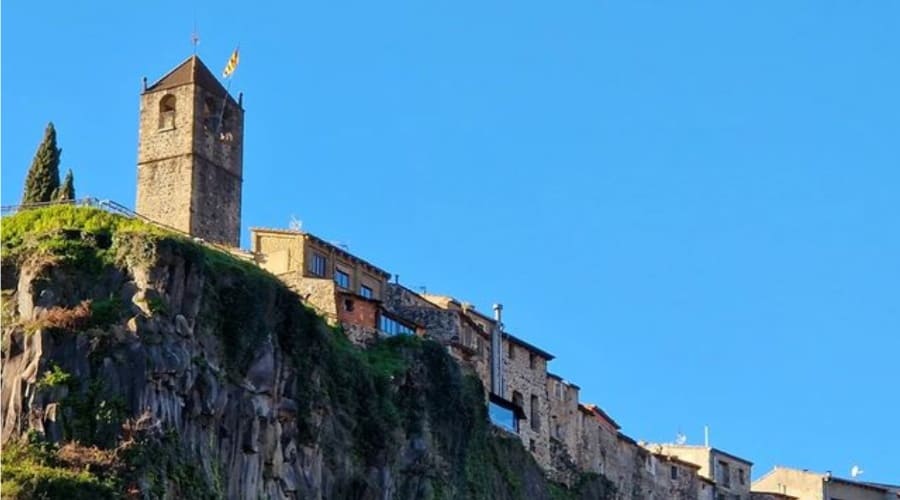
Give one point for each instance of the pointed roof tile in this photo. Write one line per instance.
(192, 70)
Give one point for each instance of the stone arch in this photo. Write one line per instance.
(167, 112)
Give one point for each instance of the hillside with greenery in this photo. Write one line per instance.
(139, 364)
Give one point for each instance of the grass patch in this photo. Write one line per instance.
(35, 470)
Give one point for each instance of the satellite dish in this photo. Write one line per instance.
(680, 438)
(856, 471)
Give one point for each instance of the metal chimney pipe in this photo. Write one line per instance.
(497, 382)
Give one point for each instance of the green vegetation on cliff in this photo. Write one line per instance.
(402, 406)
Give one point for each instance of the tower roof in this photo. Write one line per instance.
(192, 70)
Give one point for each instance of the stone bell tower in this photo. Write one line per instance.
(190, 154)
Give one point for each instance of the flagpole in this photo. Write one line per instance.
(227, 90)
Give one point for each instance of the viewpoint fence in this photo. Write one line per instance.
(119, 209)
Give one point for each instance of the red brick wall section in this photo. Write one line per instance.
(357, 311)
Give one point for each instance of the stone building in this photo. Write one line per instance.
(807, 485)
(342, 287)
(731, 474)
(467, 333)
(190, 154)
(756, 495)
(562, 397)
(466, 340)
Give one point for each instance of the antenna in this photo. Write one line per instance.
(295, 224)
(680, 438)
(706, 436)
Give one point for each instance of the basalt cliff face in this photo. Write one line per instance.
(137, 364)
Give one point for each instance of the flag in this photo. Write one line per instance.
(232, 64)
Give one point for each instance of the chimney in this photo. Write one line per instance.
(497, 352)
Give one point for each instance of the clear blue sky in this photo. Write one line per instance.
(693, 205)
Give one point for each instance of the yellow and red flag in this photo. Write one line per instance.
(232, 64)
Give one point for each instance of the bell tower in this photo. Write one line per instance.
(190, 154)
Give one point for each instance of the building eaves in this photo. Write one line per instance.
(557, 377)
(190, 71)
(338, 250)
(868, 486)
(515, 340)
(596, 411)
(710, 449)
(675, 459)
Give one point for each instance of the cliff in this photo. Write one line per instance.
(138, 364)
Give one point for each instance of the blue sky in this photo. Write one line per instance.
(693, 205)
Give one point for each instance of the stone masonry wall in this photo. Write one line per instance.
(216, 204)
(164, 174)
(318, 293)
(526, 376)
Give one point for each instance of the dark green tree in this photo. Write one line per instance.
(42, 181)
(67, 189)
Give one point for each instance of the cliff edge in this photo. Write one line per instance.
(139, 364)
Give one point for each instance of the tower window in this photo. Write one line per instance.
(167, 112)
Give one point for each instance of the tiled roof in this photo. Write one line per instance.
(192, 70)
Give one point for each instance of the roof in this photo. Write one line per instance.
(516, 340)
(444, 301)
(598, 412)
(674, 459)
(192, 70)
(557, 377)
(336, 249)
(709, 448)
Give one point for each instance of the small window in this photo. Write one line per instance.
(532, 361)
(741, 478)
(674, 472)
(348, 305)
(724, 474)
(512, 351)
(535, 414)
(317, 264)
(532, 446)
(365, 291)
(341, 278)
(167, 112)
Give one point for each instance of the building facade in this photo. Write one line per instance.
(729, 473)
(190, 154)
(808, 485)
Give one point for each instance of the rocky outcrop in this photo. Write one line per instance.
(222, 385)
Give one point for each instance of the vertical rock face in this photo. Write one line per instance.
(218, 383)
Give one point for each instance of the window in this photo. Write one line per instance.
(673, 472)
(535, 414)
(393, 327)
(210, 115)
(741, 478)
(167, 112)
(532, 361)
(341, 278)
(503, 417)
(317, 264)
(365, 291)
(531, 446)
(512, 351)
(724, 474)
(348, 305)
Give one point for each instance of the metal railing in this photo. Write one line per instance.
(119, 209)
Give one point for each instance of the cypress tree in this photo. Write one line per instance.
(67, 190)
(43, 176)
